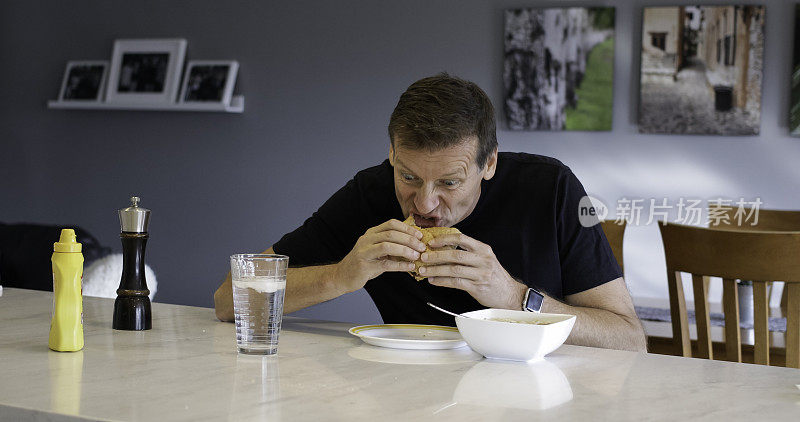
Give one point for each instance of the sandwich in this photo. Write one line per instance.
(428, 234)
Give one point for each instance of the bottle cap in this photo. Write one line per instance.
(67, 242)
(134, 219)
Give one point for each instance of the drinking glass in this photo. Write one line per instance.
(259, 283)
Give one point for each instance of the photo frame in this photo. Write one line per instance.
(84, 80)
(701, 69)
(209, 81)
(145, 71)
(558, 68)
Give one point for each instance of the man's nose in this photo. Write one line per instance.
(426, 200)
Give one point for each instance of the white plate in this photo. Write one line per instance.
(410, 336)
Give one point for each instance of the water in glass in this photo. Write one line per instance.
(258, 305)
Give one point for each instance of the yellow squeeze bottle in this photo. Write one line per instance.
(66, 328)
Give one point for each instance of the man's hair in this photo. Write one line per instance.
(442, 111)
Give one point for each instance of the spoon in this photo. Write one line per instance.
(446, 311)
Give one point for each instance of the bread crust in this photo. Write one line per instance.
(428, 234)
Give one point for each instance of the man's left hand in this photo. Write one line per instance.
(473, 268)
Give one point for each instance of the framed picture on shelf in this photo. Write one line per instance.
(84, 80)
(209, 81)
(145, 71)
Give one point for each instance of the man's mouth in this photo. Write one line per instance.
(425, 222)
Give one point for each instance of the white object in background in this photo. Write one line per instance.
(101, 279)
(514, 340)
(132, 62)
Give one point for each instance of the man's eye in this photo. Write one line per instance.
(408, 177)
(450, 182)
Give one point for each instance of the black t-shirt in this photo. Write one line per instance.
(527, 213)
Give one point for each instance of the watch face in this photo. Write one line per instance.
(534, 301)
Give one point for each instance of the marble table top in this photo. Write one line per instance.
(187, 368)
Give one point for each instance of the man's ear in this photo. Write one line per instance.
(491, 165)
(391, 154)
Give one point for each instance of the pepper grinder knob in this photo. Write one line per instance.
(134, 219)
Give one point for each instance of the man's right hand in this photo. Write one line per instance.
(377, 251)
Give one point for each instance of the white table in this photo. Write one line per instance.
(187, 368)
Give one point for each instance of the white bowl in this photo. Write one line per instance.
(513, 340)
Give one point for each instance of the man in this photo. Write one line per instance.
(521, 246)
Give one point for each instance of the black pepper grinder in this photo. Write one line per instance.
(132, 307)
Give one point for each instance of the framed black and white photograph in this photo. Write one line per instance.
(209, 81)
(146, 71)
(84, 80)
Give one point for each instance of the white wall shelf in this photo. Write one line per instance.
(236, 106)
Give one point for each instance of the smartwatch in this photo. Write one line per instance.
(532, 301)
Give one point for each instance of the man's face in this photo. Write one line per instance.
(439, 188)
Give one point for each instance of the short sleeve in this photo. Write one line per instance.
(586, 258)
(332, 231)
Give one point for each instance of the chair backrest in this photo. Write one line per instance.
(614, 233)
(768, 220)
(760, 256)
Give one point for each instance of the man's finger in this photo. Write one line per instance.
(401, 238)
(460, 240)
(450, 270)
(384, 249)
(451, 256)
(390, 265)
(398, 225)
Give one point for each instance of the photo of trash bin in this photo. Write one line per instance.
(701, 70)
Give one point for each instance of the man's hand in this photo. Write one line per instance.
(473, 268)
(377, 251)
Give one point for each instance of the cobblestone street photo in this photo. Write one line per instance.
(701, 70)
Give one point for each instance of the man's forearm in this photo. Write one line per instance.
(309, 286)
(599, 327)
(305, 286)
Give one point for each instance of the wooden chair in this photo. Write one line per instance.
(768, 220)
(760, 256)
(614, 233)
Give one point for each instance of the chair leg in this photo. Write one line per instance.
(761, 322)
(700, 286)
(730, 303)
(785, 296)
(792, 325)
(680, 321)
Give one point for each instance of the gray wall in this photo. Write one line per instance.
(320, 80)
